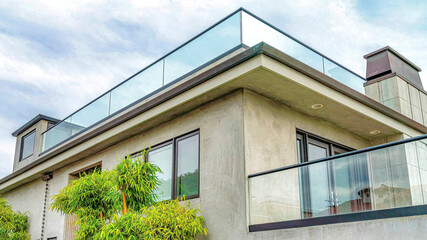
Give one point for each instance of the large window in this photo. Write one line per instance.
(179, 161)
(27, 145)
(331, 187)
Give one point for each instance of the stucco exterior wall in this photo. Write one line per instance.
(270, 142)
(222, 180)
(270, 133)
(240, 133)
(29, 198)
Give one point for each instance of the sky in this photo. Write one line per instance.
(56, 56)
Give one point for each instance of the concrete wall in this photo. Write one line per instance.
(270, 142)
(29, 198)
(222, 180)
(39, 127)
(240, 134)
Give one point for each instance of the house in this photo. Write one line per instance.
(272, 139)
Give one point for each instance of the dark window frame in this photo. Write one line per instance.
(21, 148)
(174, 141)
(305, 139)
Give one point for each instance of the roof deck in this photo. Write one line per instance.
(241, 29)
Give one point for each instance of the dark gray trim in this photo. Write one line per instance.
(421, 137)
(32, 122)
(174, 142)
(256, 50)
(342, 218)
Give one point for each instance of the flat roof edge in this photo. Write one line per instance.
(32, 122)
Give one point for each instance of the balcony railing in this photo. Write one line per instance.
(388, 176)
(240, 29)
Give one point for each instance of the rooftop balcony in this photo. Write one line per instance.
(384, 181)
(239, 30)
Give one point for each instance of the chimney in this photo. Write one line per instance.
(395, 82)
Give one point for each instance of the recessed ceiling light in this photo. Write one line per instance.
(375, 132)
(317, 106)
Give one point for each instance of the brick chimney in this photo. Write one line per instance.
(395, 82)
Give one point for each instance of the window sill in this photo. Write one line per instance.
(351, 217)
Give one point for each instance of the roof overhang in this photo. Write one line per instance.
(262, 69)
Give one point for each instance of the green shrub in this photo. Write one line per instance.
(164, 221)
(138, 181)
(89, 197)
(13, 225)
(97, 200)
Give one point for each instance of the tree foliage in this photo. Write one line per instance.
(138, 180)
(122, 204)
(165, 220)
(13, 225)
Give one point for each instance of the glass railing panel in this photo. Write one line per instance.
(90, 114)
(385, 178)
(343, 76)
(211, 44)
(254, 31)
(137, 87)
(57, 134)
(275, 197)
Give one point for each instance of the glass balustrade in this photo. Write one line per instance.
(239, 29)
(382, 178)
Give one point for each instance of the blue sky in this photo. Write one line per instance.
(56, 56)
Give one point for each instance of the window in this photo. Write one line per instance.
(332, 187)
(27, 145)
(179, 161)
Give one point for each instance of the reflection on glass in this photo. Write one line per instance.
(317, 202)
(137, 87)
(188, 166)
(240, 28)
(352, 189)
(27, 145)
(255, 31)
(90, 114)
(275, 197)
(162, 157)
(57, 134)
(218, 40)
(385, 178)
(338, 73)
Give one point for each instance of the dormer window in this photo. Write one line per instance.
(27, 145)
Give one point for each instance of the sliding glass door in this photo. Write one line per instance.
(332, 187)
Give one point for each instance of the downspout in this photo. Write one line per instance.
(45, 178)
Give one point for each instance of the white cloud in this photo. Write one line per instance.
(69, 52)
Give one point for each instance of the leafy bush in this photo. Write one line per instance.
(89, 196)
(164, 221)
(93, 198)
(13, 225)
(97, 200)
(138, 181)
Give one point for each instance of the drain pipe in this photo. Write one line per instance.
(45, 178)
